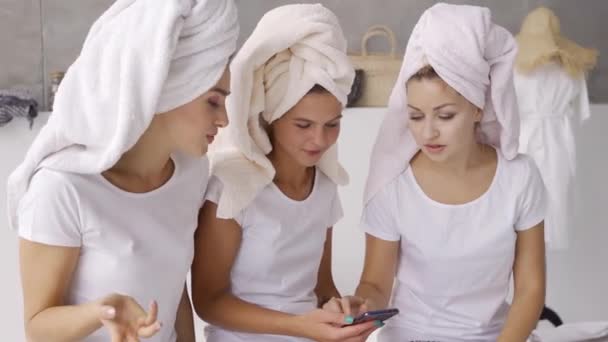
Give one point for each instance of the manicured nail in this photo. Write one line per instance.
(379, 324)
(349, 319)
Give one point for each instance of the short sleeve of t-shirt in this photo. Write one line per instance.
(49, 211)
(380, 213)
(214, 190)
(532, 201)
(213, 194)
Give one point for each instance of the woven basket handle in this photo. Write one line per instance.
(379, 30)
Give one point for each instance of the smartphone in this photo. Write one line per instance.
(378, 315)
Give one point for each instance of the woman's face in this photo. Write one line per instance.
(193, 126)
(308, 129)
(441, 120)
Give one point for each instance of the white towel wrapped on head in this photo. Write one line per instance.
(292, 49)
(472, 55)
(140, 58)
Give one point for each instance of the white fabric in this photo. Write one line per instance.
(292, 48)
(456, 260)
(472, 55)
(572, 332)
(280, 252)
(141, 57)
(551, 103)
(124, 238)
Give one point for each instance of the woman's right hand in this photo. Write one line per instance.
(326, 326)
(126, 320)
(351, 306)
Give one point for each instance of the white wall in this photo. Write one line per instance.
(578, 278)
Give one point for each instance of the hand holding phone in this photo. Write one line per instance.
(377, 315)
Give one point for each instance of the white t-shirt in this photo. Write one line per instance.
(282, 245)
(138, 244)
(455, 260)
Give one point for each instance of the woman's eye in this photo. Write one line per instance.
(446, 116)
(416, 116)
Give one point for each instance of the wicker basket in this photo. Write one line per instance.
(380, 71)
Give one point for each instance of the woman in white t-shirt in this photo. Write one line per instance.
(452, 211)
(107, 199)
(263, 246)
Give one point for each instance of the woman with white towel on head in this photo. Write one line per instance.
(451, 209)
(263, 247)
(107, 199)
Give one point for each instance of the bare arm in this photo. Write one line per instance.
(48, 319)
(326, 288)
(46, 272)
(529, 275)
(184, 322)
(379, 268)
(216, 246)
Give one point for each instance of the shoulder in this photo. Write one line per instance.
(392, 193)
(47, 182)
(520, 166)
(521, 176)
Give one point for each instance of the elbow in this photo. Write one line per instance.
(30, 332)
(199, 305)
(204, 303)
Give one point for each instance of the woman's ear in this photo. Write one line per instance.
(478, 114)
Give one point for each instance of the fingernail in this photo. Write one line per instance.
(158, 325)
(349, 319)
(109, 312)
(379, 324)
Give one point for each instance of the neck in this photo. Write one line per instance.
(289, 171)
(148, 159)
